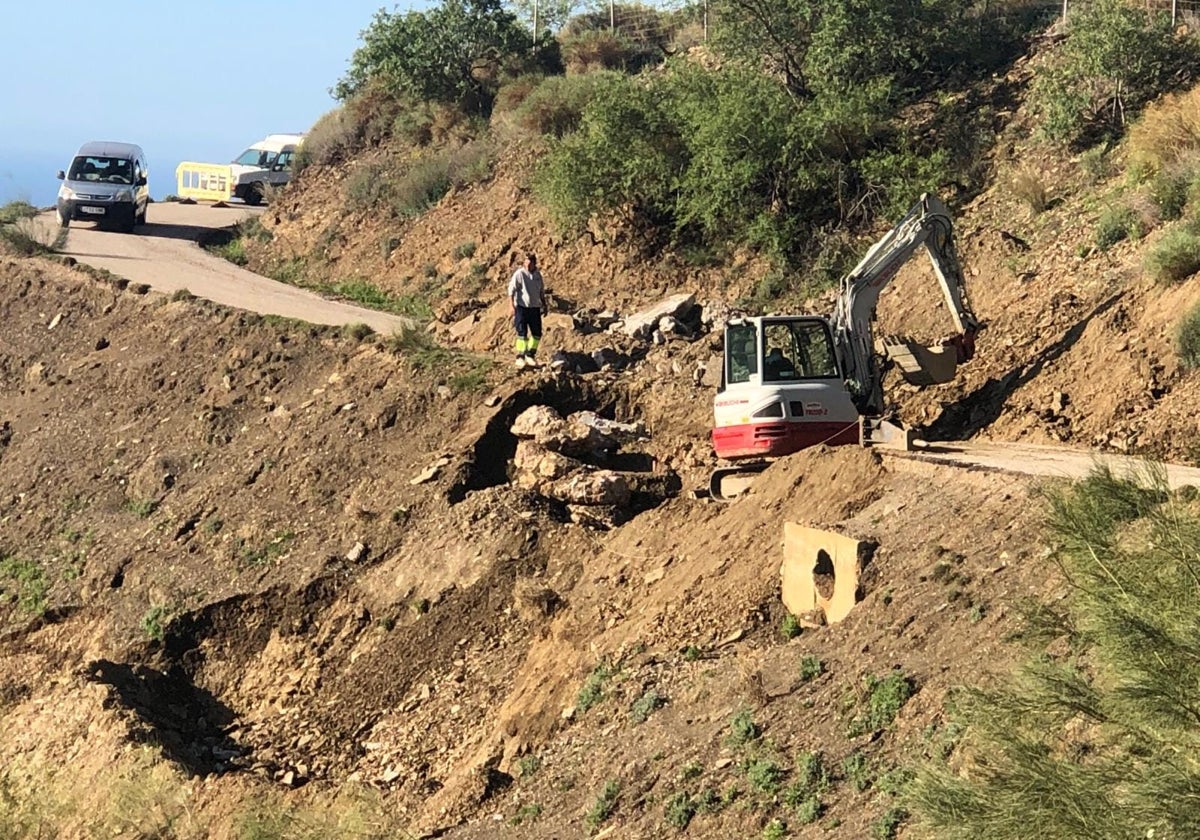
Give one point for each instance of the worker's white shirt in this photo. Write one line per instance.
(525, 288)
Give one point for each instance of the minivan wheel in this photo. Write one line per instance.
(63, 221)
(253, 195)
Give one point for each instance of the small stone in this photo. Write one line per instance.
(358, 552)
(55, 321)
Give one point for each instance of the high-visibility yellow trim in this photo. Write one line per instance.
(204, 181)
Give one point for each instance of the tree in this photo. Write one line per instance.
(451, 54)
(828, 45)
(1116, 57)
(551, 15)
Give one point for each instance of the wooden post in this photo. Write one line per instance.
(535, 22)
(1064, 16)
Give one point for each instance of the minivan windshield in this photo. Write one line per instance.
(106, 169)
(257, 157)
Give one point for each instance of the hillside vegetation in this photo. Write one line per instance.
(266, 581)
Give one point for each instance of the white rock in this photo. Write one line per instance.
(642, 324)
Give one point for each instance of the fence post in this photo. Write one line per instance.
(1174, 10)
(535, 22)
(1064, 15)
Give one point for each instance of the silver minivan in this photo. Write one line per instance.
(107, 183)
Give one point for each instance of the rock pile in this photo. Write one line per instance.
(565, 460)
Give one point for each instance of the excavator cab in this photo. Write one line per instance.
(782, 389)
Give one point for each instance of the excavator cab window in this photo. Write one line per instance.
(799, 349)
(741, 352)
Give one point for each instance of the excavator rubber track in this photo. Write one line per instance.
(727, 483)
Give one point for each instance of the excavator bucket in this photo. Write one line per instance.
(921, 364)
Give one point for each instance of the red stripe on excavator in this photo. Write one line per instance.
(779, 438)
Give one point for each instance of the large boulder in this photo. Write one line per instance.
(545, 427)
(643, 324)
(602, 487)
(534, 465)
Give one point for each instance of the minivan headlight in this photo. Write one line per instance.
(66, 193)
(123, 195)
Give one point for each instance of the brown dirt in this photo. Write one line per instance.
(195, 483)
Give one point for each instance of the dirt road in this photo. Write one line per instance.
(1051, 462)
(163, 254)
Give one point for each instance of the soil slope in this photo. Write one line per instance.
(253, 561)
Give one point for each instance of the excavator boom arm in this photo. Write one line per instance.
(926, 224)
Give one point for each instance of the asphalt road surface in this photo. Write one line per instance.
(164, 255)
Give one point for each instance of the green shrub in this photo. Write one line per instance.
(776, 830)
(526, 813)
(646, 705)
(15, 210)
(1169, 191)
(1176, 256)
(464, 250)
(24, 581)
(1187, 338)
(743, 729)
(790, 628)
(154, 621)
(605, 805)
(592, 691)
(888, 824)
(764, 774)
(1095, 164)
(680, 809)
(1116, 224)
(885, 697)
(1088, 744)
(854, 768)
(549, 107)
(811, 667)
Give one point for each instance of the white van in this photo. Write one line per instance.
(269, 161)
(106, 183)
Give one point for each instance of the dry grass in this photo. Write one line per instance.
(1167, 131)
(1030, 189)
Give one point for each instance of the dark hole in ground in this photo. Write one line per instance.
(823, 574)
(185, 721)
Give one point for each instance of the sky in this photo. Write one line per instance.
(195, 80)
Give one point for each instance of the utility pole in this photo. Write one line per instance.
(535, 22)
(612, 17)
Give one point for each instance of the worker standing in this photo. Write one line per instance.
(527, 297)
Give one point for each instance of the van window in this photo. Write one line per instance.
(106, 169)
(257, 157)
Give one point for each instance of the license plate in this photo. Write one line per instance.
(95, 211)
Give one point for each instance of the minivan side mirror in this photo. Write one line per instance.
(62, 176)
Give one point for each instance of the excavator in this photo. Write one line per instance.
(794, 381)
